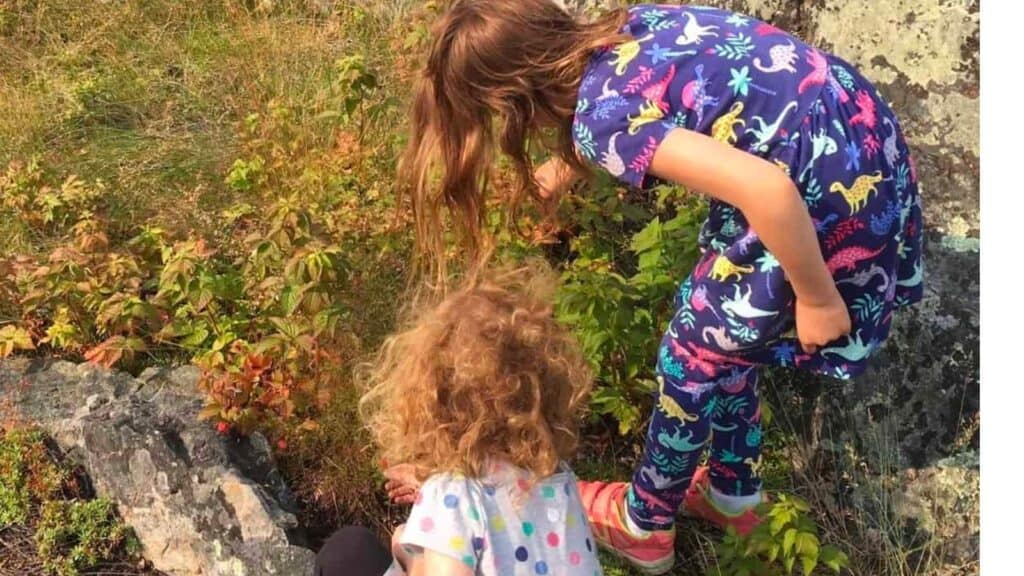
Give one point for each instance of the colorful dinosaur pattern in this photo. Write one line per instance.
(854, 350)
(857, 194)
(670, 407)
(676, 441)
(849, 258)
(694, 33)
(626, 52)
(725, 269)
(818, 74)
(765, 132)
(867, 114)
(695, 95)
(723, 128)
(783, 56)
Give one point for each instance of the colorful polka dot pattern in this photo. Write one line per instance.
(505, 525)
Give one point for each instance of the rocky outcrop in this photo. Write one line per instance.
(925, 381)
(200, 503)
(905, 435)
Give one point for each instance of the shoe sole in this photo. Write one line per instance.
(719, 523)
(655, 568)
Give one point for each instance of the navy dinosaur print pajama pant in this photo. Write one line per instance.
(715, 406)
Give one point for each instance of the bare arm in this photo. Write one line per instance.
(433, 564)
(555, 177)
(772, 205)
(404, 559)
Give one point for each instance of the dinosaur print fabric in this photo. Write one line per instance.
(754, 87)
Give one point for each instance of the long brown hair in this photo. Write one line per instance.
(499, 72)
(486, 373)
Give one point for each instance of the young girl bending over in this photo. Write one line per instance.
(481, 397)
(814, 210)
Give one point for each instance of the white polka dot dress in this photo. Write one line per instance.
(504, 525)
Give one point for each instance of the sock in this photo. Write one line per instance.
(630, 524)
(634, 529)
(734, 505)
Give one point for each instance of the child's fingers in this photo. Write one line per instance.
(402, 494)
(403, 498)
(410, 499)
(392, 485)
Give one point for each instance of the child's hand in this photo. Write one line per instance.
(553, 178)
(819, 324)
(402, 485)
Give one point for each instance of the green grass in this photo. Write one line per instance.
(148, 97)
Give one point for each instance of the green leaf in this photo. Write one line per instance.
(788, 539)
(203, 299)
(808, 564)
(135, 344)
(807, 545)
(210, 411)
(647, 238)
(328, 115)
(14, 338)
(196, 337)
(223, 341)
(833, 558)
(292, 329)
(778, 522)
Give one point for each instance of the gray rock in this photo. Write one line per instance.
(925, 380)
(200, 503)
(906, 433)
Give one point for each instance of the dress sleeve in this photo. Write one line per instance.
(445, 520)
(620, 127)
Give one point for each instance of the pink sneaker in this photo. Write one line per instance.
(698, 503)
(605, 504)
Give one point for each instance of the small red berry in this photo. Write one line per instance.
(223, 428)
(282, 444)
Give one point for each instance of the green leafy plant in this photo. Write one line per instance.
(25, 190)
(75, 535)
(26, 475)
(786, 539)
(14, 338)
(41, 492)
(271, 306)
(617, 296)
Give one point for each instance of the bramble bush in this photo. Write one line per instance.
(265, 315)
(787, 538)
(617, 286)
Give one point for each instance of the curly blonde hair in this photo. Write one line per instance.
(485, 374)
